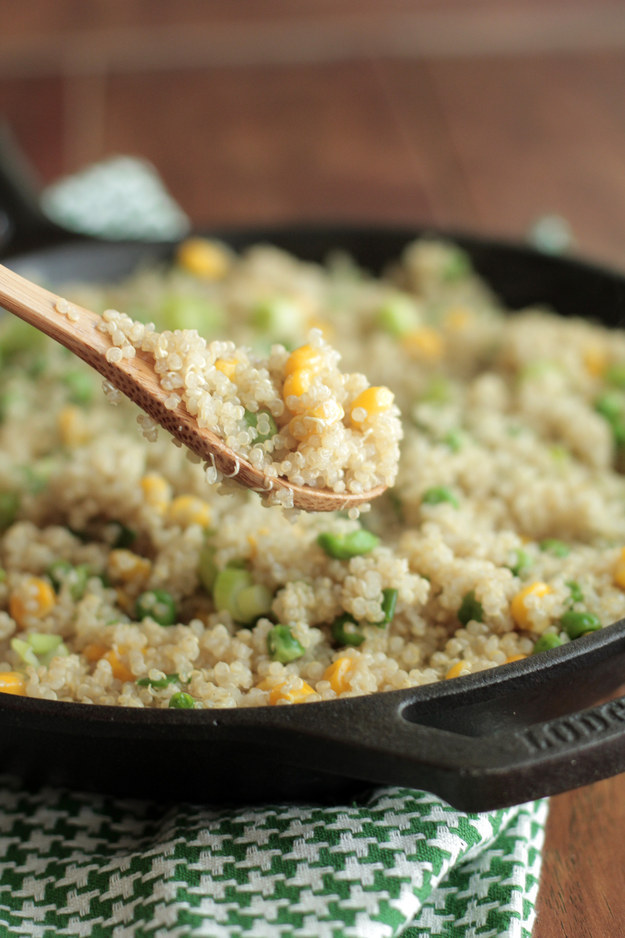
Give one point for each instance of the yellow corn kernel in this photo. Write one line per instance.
(156, 491)
(294, 695)
(518, 606)
(512, 658)
(204, 258)
(458, 318)
(304, 358)
(297, 383)
(73, 429)
(595, 360)
(127, 567)
(226, 366)
(33, 597)
(12, 682)
(94, 651)
(370, 402)
(461, 667)
(119, 669)
(189, 509)
(339, 674)
(424, 342)
(619, 570)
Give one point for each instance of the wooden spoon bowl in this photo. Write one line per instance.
(137, 380)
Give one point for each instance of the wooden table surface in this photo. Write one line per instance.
(485, 124)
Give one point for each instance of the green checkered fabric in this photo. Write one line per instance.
(400, 862)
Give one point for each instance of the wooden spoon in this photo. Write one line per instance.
(136, 378)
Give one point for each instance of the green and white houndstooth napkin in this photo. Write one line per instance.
(400, 862)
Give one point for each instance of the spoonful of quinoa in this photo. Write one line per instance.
(290, 426)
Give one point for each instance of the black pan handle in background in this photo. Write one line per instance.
(23, 225)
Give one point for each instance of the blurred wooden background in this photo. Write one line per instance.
(481, 115)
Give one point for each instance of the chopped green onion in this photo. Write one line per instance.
(185, 311)
(471, 609)
(161, 682)
(523, 562)
(438, 391)
(278, 317)
(576, 624)
(344, 546)
(398, 315)
(454, 440)
(457, 266)
(123, 536)
(552, 545)
(43, 642)
(439, 494)
(181, 701)
(252, 602)
(345, 631)
(282, 644)
(158, 605)
(3, 574)
(251, 420)
(234, 591)
(24, 652)
(389, 601)
(80, 387)
(9, 507)
(207, 569)
(576, 591)
(615, 375)
(546, 641)
(61, 572)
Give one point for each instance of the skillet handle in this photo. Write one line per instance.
(23, 225)
(482, 742)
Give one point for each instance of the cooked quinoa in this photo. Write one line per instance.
(292, 414)
(126, 578)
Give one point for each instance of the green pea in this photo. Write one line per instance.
(523, 562)
(161, 682)
(389, 601)
(251, 420)
(158, 605)
(575, 590)
(546, 641)
(181, 701)
(345, 546)
(439, 494)
(471, 609)
(576, 624)
(346, 631)
(282, 644)
(9, 507)
(80, 387)
(552, 545)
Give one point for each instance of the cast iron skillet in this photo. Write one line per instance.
(491, 739)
